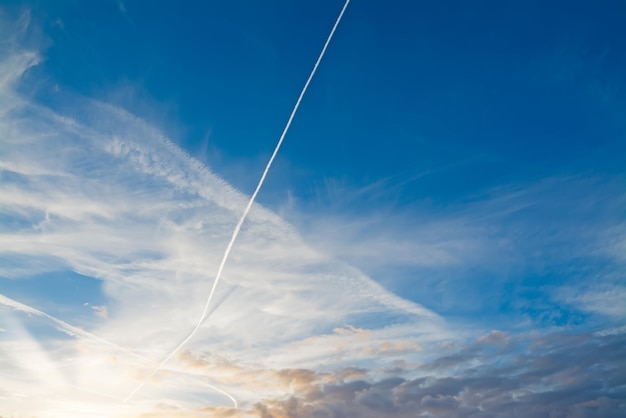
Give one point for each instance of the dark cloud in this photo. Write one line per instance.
(556, 376)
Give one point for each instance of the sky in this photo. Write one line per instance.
(441, 234)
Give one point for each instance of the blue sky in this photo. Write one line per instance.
(442, 233)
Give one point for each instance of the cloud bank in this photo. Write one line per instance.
(568, 376)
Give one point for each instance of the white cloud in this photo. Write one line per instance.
(106, 195)
(101, 311)
(605, 299)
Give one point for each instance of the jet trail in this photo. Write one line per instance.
(75, 331)
(245, 213)
(64, 326)
(228, 395)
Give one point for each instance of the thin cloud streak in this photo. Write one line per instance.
(78, 332)
(63, 326)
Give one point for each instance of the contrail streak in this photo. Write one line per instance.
(64, 326)
(245, 212)
(75, 331)
(228, 395)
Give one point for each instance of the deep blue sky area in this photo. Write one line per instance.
(479, 93)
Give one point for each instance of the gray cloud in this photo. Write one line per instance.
(560, 375)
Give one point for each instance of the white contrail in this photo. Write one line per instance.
(245, 212)
(228, 395)
(75, 331)
(64, 326)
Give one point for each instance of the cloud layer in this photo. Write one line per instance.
(568, 376)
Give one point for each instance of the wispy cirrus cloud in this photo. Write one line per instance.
(499, 246)
(103, 194)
